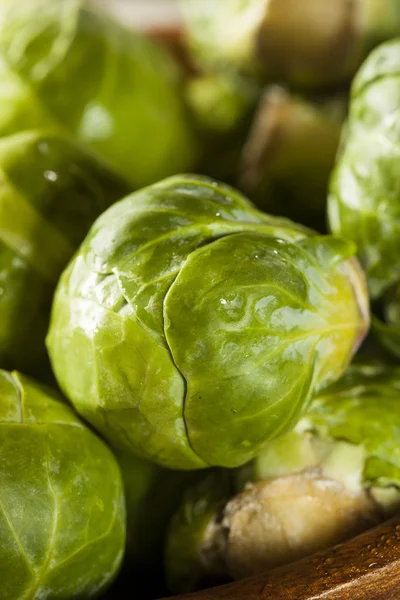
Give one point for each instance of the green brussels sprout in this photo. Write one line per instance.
(51, 192)
(190, 328)
(312, 43)
(62, 511)
(219, 101)
(65, 65)
(222, 107)
(335, 475)
(289, 154)
(364, 199)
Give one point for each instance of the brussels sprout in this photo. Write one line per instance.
(364, 200)
(290, 152)
(62, 512)
(220, 101)
(335, 475)
(312, 43)
(191, 328)
(65, 65)
(51, 192)
(222, 106)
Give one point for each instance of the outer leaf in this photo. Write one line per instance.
(362, 409)
(364, 202)
(62, 515)
(259, 321)
(128, 108)
(174, 289)
(50, 193)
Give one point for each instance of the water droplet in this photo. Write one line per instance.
(51, 175)
(223, 301)
(218, 214)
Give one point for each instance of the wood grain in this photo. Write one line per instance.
(365, 568)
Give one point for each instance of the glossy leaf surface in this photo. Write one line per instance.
(50, 194)
(364, 201)
(67, 66)
(191, 328)
(62, 512)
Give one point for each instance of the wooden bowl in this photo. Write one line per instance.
(365, 568)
